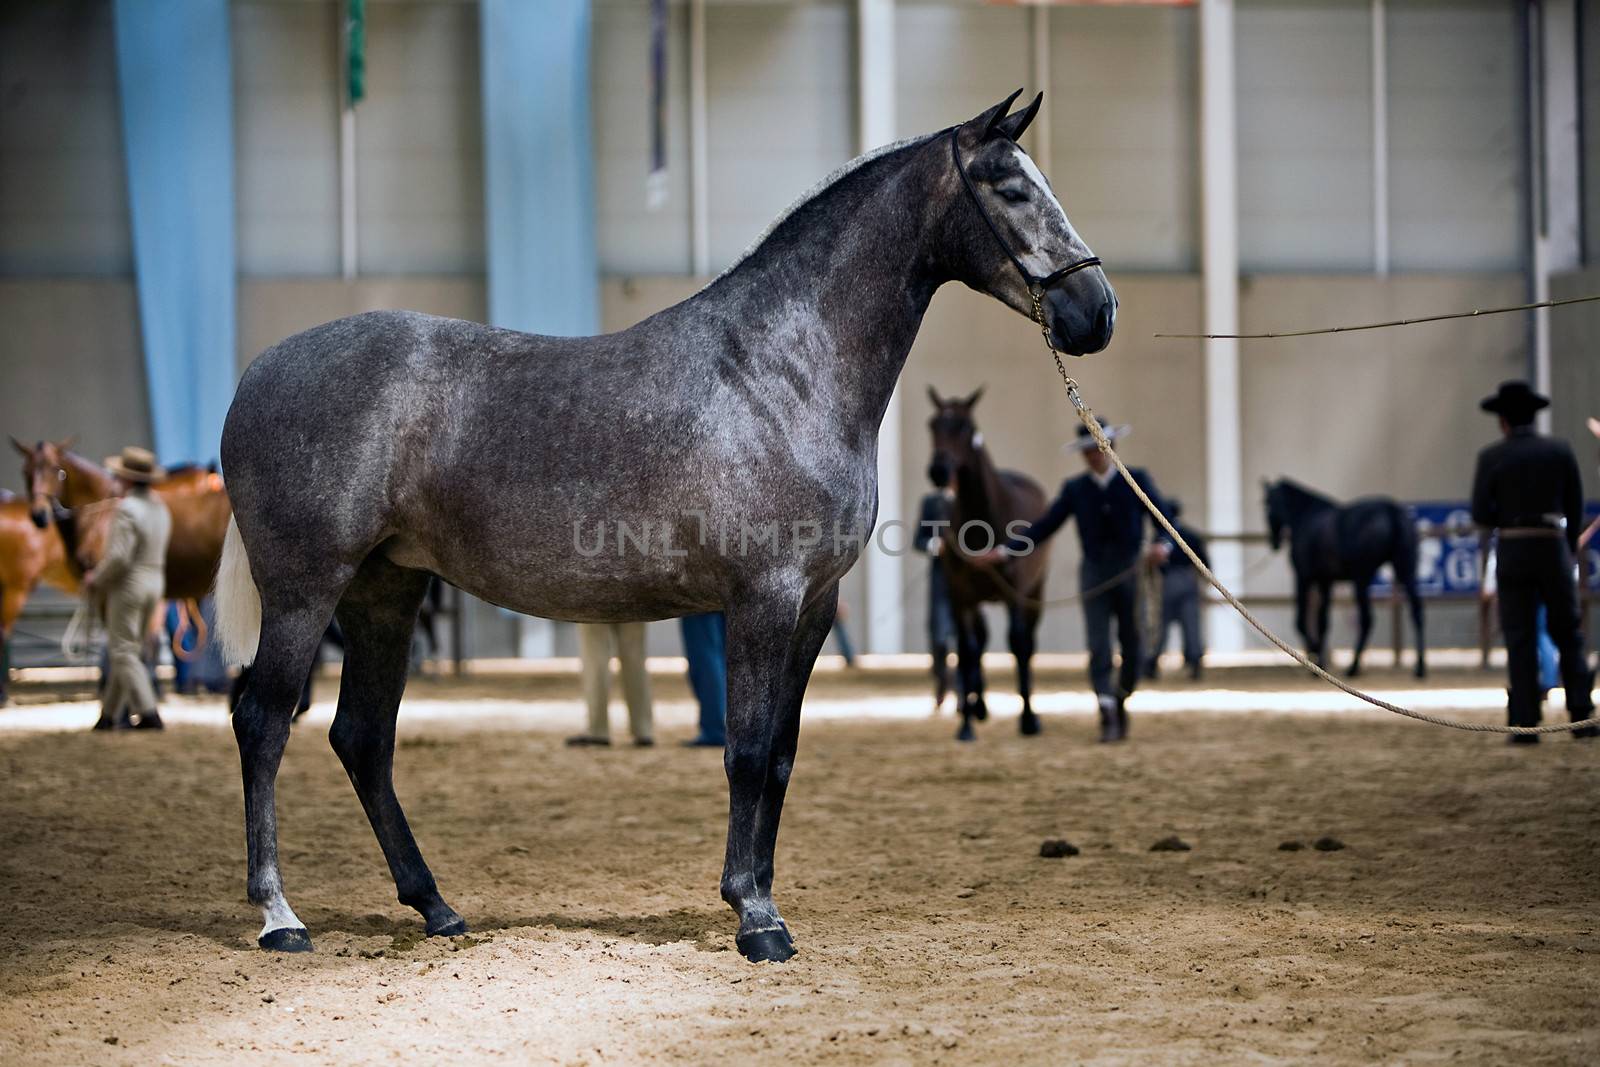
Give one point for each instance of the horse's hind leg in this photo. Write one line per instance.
(1416, 619)
(261, 727)
(378, 612)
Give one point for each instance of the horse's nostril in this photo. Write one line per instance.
(1105, 321)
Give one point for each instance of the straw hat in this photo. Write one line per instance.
(137, 465)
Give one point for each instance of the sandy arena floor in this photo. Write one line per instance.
(1452, 928)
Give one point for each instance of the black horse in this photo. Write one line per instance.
(730, 440)
(988, 501)
(1333, 542)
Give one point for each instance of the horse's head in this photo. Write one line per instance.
(955, 435)
(1011, 236)
(1277, 512)
(44, 471)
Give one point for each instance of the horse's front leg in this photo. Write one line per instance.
(1024, 621)
(971, 636)
(1363, 621)
(768, 641)
(1324, 605)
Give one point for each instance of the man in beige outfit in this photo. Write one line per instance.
(129, 581)
(595, 642)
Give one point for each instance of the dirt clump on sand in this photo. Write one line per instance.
(908, 871)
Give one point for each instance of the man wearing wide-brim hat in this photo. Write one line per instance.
(1528, 491)
(129, 581)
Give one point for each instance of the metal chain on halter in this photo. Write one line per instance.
(1086, 416)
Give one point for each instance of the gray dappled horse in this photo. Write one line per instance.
(1332, 542)
(997, 503)
(720, 455)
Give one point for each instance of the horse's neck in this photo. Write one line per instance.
(86, 482)
(1302, 503)
(980, 494)
(837, 292)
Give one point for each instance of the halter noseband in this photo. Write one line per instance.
(1035, 284)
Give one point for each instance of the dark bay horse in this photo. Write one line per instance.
(718, 456)
(988, 501)
(1332, 542)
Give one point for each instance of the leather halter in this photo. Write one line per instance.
(1035, 283)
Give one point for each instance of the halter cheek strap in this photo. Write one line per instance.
(1035, 283)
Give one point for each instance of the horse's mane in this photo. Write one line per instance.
(1306, 494)
(831, 179)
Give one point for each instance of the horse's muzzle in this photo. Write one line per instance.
(1081, 323)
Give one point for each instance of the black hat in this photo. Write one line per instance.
(1085, 441)
(1515, 401)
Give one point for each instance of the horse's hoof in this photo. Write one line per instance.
(766, 946)
(286, 939)
(454, 926)
(966, 733)
(1028, 725)
(980, 711)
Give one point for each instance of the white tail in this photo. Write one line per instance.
(238, 628)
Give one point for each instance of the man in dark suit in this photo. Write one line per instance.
(1527, 489)
(1111, 527)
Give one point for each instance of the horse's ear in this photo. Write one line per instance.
(20, 447)
(1013, 126)
(985, 123)
(66, 443)
(933, 395)
(972, 400)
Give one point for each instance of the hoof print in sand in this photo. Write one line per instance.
(1055, 848)
(1172, 843)
(1290, 846)
(1327, 844)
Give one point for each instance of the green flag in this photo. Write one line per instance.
(355, 53)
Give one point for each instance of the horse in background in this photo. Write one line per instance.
(193, 494)
(28, 556)
(1332, 542)
(993, 498)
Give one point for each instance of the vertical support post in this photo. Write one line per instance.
(347, 153)
(699, 167)
(1220, 282)
(1554, 168)
(1039, 29)
(1380, 138)
(875, 126)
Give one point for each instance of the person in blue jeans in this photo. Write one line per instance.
(705, 643)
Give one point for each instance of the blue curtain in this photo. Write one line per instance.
(176, 80)
(539, 170)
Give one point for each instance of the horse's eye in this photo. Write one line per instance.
(61, 475)
(1013, 196)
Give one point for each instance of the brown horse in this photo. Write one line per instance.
(194, 495)
(990, 505)
(28, 555)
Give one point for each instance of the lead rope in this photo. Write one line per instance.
(1086, 416)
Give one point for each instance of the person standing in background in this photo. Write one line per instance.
(705, 645)
(932, 519)
(129, 581)
(596, 642)
(1180, 599)
(1528, 490)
